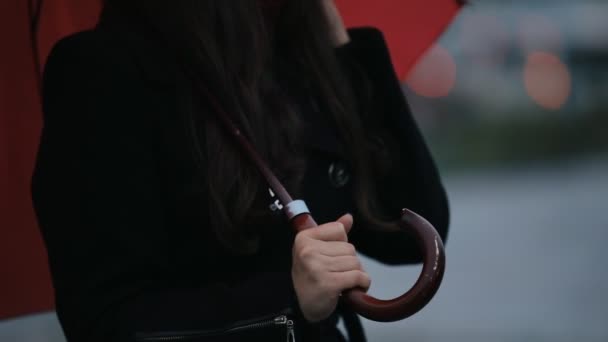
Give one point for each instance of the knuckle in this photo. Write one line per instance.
(300, 238)
(357, 263)
(350, 263)
(351, 249)
(311, 233)
(316, 268)
(343, 235)
(325, 284)
(364, 278)
(306, 252)
(338, 226)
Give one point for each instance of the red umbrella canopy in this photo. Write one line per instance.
(410, 27)
(24, 279)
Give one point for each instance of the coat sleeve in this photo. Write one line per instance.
(96, 190)
(414, 181)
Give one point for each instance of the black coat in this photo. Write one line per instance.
(112, 191)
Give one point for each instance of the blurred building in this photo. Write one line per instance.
(519, 58)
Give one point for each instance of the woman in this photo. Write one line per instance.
(156, 226)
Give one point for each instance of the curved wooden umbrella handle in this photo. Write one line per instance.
(423, 290)
(297, 213)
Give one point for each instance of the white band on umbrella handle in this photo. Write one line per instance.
(295, 208)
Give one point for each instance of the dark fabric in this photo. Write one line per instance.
(114, 191)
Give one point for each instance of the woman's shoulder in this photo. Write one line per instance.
(85, 47)
(116, 49)
(83, 57)
(75, 43)
(92, 76)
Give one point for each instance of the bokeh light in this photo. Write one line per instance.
(435, 75)
(547, 80)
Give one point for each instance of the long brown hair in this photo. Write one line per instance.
(240, 50)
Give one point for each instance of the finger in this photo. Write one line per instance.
(336, 248)
(351, 279)
(332, 231)
(342, 263)
(347, 221)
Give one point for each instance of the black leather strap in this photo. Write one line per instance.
(352, 322)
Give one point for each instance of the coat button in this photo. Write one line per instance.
(338, 174)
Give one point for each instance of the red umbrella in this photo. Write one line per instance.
(410, 27)
(25, 283)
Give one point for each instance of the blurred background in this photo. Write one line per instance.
(513, 101)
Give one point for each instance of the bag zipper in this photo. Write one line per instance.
(281, 320)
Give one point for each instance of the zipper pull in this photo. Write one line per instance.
(291, 336)
(282, 320)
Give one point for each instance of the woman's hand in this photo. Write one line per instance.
(339, 35)
(324, 265)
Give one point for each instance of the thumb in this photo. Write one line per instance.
(347, 221)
